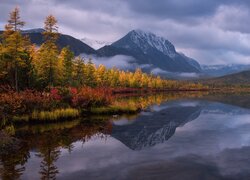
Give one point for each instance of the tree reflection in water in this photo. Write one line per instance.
(48, 139)
(12, 162)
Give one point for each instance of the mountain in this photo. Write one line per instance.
(149, 49)
(222, 70)
(242, 78)
(77, 46)
(156, 127)
(36, 30)
(95, 43)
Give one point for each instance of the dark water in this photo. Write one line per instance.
(191, 138)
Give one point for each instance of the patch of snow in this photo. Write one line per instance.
(147, 40)
(96, 44)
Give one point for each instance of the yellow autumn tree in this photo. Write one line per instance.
(47, 68)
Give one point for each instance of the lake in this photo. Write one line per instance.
(185, 138)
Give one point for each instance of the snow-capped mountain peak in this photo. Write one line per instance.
(96, 44)
(149, 49)
(146, 40)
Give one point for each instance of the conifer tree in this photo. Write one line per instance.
(101, 77)
(90, 78)
(13, 48)
(48, 54)
(65, 60)
(78, 71)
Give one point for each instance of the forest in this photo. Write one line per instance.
(50, 83)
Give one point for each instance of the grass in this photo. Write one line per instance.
(23, 118)
(70, 113)
(114, 110)
(55, 115)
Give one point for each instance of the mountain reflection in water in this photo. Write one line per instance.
(178, 139)
(155, 127)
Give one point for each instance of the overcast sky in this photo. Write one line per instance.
(211, 31)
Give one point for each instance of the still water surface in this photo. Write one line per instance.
(178, 139)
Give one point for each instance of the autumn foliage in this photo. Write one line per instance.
(25, 102)
(89, 97)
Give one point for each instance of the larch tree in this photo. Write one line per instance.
(90, 78)
(13, 47)
(78, 71)
(48, 53)
(66, 62)
(101, 75)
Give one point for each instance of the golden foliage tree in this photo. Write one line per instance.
(13, 49)
(47, 67)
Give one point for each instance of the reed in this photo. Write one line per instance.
(55, 115)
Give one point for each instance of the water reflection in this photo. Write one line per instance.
(12, 161)
(155, 127)
(45, 143)
(194, 138)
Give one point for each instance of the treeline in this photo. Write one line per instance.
(25, 66)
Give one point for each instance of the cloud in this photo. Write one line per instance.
(175, 75)
(118, 61)
(189, 75)
(212, 32)
(157, 71)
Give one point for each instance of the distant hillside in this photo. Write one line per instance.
(242, 78)
(223, 70)
(77, 46)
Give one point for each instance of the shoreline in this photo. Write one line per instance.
(68, 113)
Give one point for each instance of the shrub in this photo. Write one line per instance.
(17, 104)
(88, 97)
(25, 101)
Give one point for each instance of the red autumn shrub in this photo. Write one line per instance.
(54, 93)
(73, 90)
(13, 103)
(89, 97)
(25, 102)
(63, 94)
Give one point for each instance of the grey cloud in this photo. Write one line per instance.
(118, 61)
(181, 9)
(210, 31)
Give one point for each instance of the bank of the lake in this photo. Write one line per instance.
(61, 104)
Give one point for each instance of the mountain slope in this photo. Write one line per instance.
(77, 46)
(223, 70)
(242, 78)
(147, 48)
